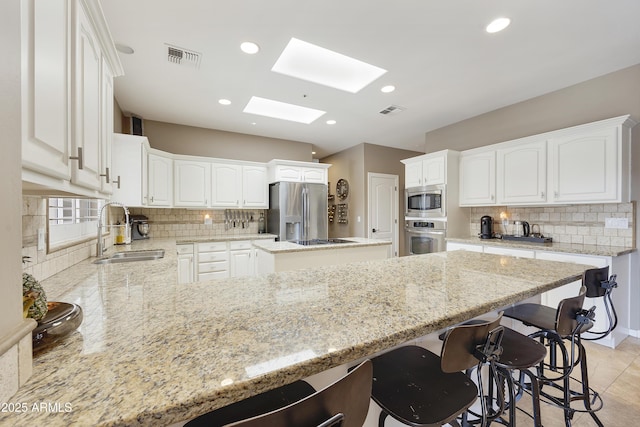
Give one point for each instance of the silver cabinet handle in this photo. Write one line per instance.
(78, 158)
(116, 181)
(542, 194)
(151, 199)
(106, 175)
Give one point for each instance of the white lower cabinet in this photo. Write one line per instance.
(186, 264)
(454, 246)
(241, 258)
(213, 260)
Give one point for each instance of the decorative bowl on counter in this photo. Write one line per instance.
(61, 320)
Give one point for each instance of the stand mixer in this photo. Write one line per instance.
(139, 227)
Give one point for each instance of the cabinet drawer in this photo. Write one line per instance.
(213, 275)
(208, 267)
(212, 246)
(184, 249)
(243, 244)
(213, 257)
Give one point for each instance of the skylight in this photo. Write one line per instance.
(316, 64)
(282, 110)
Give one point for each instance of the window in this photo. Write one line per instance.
(72, 220)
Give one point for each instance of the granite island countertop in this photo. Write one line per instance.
(285, 247)
(572, 248)
(151, 352)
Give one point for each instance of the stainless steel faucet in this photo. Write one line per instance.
(100, 247)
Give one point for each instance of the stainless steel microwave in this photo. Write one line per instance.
(426, 202)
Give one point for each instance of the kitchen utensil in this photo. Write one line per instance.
(521, 229)
(486, 227)
(535, 230)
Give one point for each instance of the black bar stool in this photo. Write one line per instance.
(519, 354)
(418, 388)
(600, 285)
(559, 328)
(344, 403)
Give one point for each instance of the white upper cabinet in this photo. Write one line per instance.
(129, 169)
(86, 138)
(70, 63)
(239, 185)
(192, 183)
(583, 164)
(46, 50)
(478, 178)
(522, 173)
(294, 171)
(430, 169)
(255, 189)
(226, 185)
(586, 166)
(160, 182)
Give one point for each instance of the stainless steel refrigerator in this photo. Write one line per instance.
(297, 211)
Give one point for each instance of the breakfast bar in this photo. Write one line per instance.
(152, 352)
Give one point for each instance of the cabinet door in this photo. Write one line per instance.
(191, 183)
(413, 174)
(522, 173)
(584, 167)
(87, 118)
(288, 173)
(106, 137)
(434, 170)
(160, 180)
(128, 169)
(185, 268)
(241, 263)
(477, 179)
(46, 95)
(226, 185)
(314, 175)
(255, 190)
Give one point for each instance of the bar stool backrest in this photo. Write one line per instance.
(344, 403)
(460, 344)
(566, 313)
(592, 279)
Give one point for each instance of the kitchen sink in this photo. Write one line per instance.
(132, 256)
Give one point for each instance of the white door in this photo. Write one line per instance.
(383, 209)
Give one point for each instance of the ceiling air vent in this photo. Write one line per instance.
(392, 109)
(181, 56)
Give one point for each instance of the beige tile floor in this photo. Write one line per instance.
(615, 375)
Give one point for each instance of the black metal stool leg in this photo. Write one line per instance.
(585, 384)
(382, 418)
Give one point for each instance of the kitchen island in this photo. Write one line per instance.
(283, 256)
(151, 352)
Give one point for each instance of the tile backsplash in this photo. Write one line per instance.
(584, 224)
(179, 223)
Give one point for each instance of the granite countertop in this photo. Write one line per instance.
(573, 248)
(224, 238)
(151, 352)
(283, 247)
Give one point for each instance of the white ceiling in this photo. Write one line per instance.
(445, 67)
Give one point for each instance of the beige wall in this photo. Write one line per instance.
(179, 139)
(611, 95)
(353, 165)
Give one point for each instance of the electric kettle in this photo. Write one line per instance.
(521, 229)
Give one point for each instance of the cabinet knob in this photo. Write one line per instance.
(373, 230)
(542, 194)
(78, 158)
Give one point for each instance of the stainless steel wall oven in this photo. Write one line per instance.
(423, 237)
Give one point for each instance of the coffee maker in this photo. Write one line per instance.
(139, 227)
(486, 227)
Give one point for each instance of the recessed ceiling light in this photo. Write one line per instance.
(224, 101)
(498, 24)
(313, 152)
(250, 48)
(281, 110)
(127, 50)
(316, 64)
(388, 89)
(331, 122)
